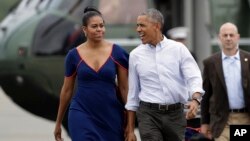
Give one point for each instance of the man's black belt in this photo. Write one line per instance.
(155, 106)
(243, 110)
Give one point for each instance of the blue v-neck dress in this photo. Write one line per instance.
(95, 112)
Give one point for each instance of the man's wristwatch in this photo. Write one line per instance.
(197, 99)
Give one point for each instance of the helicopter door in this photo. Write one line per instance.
(52, 40)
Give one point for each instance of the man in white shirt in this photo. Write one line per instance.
(161, 71)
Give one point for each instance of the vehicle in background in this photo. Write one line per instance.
(6, 6)
(36, 35)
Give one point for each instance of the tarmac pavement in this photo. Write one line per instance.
(17, 124)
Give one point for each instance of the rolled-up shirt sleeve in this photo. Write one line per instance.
(134, 86)
(191, 73)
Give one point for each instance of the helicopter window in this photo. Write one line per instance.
(125, 13)
(55, 35)
(50, 35)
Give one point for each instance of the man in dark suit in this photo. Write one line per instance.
(227, 87)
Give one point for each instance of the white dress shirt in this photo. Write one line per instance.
(232, 74)
(165, 74)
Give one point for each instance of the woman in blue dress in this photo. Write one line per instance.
(95, 112)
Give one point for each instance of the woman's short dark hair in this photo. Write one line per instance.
(88, 13)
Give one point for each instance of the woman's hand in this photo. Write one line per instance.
(130, 136)
(58, 133)
(205, 130)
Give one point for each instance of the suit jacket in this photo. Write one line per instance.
(215, 104)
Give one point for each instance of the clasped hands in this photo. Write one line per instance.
(192, 109)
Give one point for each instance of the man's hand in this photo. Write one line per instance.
(192, 109)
